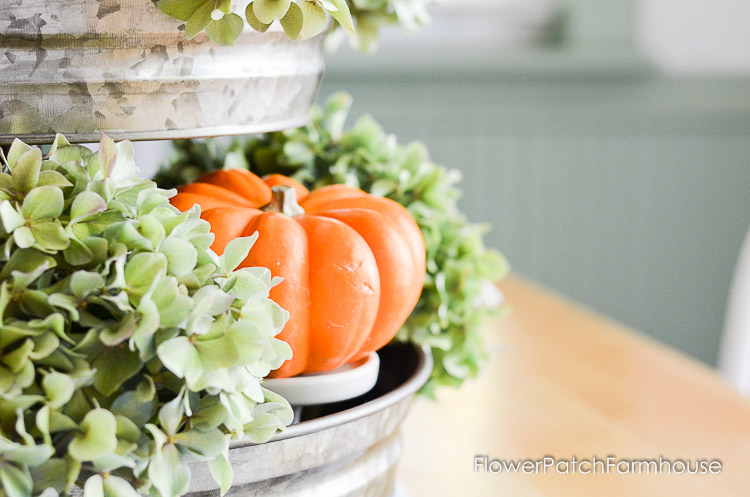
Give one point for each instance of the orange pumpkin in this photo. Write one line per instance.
(353, 264)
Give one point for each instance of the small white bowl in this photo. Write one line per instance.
(345, 382)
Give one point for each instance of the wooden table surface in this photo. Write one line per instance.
(564, 382)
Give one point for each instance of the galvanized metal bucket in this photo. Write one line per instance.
(345, 449)
(82, 67)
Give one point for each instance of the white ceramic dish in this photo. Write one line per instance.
(345, 382)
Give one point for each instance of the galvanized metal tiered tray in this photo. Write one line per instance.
(122, 67)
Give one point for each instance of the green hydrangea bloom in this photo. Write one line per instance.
(127, 347)
(299, 18)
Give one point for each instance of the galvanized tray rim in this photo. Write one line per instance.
(177, 134)
(408, 388)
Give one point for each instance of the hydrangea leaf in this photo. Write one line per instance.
(218, 352)
(50, 235)
(143, 269)
(210, 415)
(86, 204)
(342, 15)
(11, 218)
(152, 229)
(124, 171)
(253, 20)
(18, 358)
(181, 358)
(44, 345)
(199, 20)
(43, 202)
(119, 332)
(173, 307)
(94, 487)
(108, 379)
(127, 430)
(211, 301)
(58, 388)
(268, 11)
(246, 286)
(129, 405)
(53, 178)
(59, 142)
(107, 155)
(60, 422)
(49, 475)
(115, 486)
(170, 415)
(149, 199)
(27, 169)
(114, 461)
(293, 21)
(127, 234)
(236, 251)
(16, 483)
(181, 255)
(148, 324)
(78, 253)
(17, 149)
(225, 6)
(30, 455)
(262, 427)
(6, 182)
(26, 261)
(24, 237)
(222, 471)
(97, 437)
(226, 30)
(168, 472)
(72, 471)
(315, 19)
(83, 283)
(181, 9)
(205, 445)
(277, 405)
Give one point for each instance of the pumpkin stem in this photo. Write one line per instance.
(284, 200)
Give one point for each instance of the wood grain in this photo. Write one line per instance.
(564, 382)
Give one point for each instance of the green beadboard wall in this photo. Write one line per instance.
(620, 188)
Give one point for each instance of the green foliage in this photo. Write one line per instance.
(372, 15)
(299, 18)
(458, 292)
(127, 347)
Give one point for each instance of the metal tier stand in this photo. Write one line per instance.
(87, 67)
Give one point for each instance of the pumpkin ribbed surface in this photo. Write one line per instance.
(353, 264)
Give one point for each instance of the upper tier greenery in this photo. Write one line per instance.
(299, 18)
